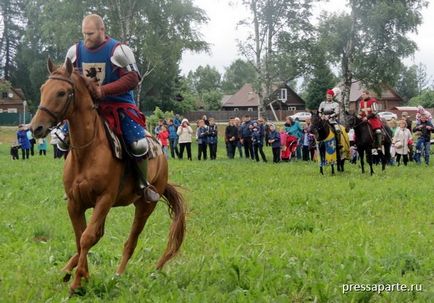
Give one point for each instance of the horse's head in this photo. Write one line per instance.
(318, 125)
(57, 98)
(351, 120)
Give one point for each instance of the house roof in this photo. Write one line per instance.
(224, 99)
(388, 93)
(245, 97)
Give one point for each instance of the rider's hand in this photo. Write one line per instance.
(99, 92)
(365, 118)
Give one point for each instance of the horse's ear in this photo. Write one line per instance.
(68, 67)
(50, 65)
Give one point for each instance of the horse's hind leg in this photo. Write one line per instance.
(142, 213)
(78, 220)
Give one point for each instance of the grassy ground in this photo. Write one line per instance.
(257, 232)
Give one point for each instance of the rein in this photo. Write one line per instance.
(58, 117)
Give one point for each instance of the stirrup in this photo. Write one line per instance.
(150, 193)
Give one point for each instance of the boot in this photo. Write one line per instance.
(378, 139)
(149, 191)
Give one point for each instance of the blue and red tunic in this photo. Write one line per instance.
(119, 109)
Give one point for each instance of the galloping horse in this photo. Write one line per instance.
(329, 152)
(93, 178)
(365, 141)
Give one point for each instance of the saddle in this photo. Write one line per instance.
(120, 149)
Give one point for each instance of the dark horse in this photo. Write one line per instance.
(365, 139)
(327, 143)
(93, 178)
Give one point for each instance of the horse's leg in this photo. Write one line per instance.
(383, 160)
(321, 170)
(362, 158)
(91, 235)
(369, 159)
(78, 220)
(333, 169)
(142, 213)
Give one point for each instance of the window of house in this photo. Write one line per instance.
(283, 95)
(250, 109)
(236, 109)
(292, 108)
(4, 95)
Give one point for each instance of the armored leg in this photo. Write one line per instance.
(139, 149)
(378, 138)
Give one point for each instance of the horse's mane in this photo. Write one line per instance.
(81, 83)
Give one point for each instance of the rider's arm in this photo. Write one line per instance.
(128, 81)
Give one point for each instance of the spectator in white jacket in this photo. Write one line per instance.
(400, 142)
(185, 133)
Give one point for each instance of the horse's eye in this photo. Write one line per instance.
(61, 94)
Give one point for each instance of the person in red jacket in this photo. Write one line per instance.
(368, 108)
(163, 137)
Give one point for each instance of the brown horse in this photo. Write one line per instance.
(93, 178)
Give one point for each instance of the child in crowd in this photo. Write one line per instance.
(274, 140)
(421, 111)
(258, 141)
(163, 137)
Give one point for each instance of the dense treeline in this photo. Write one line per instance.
(367, 42)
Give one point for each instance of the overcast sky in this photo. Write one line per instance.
(221, 32)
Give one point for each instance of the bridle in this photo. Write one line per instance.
(58, 117)
(71, 96)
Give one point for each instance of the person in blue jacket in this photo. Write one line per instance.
(202, 139)
(293, 128)
(212, 139)
(23, 141)
(274, 140)
(258, 133)
(173, 138)
(246, 137)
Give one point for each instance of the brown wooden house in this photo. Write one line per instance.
(244, 99)
(388, 98)
(12, 106)
(285, 98)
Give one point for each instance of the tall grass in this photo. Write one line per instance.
(257, 232)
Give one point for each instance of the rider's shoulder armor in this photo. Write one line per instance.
(123, 57)
(72, 53)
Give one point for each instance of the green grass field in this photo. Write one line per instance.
(257, 232)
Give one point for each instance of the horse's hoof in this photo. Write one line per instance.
(80, 291)
(67, 277)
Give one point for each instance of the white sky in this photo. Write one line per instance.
(221, 32)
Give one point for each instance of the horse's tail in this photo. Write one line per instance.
(177, 211)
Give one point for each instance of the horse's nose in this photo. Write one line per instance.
(38, 132)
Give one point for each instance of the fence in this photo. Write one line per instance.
(223, 116)
(13, 119)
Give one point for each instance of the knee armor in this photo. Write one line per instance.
(139, 148)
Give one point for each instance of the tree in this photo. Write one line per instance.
(426, 99)
(236, 75)
(321, 80)
(157, 31)
(412, 81)
(286, 21)
(12, 22)
(370, 42)
(205, 78)
(205, 83)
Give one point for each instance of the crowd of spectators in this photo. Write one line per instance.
(247, 138)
